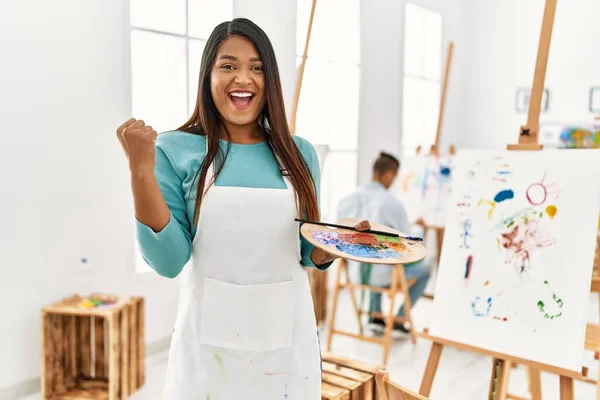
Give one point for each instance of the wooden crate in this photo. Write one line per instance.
(348, 379)
(93, 353)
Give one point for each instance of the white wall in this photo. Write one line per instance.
(278, 19)
(65, 83)
(502, 47)
(65, 88)
(382, 63)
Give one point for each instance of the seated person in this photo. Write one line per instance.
(373, 202)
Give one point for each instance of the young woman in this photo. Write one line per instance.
(224, 190)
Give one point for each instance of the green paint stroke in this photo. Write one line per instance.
(208, 396)
(385, 238)
(556, 299)
(219, 360)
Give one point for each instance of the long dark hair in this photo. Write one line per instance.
(206, 120)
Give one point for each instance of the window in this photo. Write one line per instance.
(167, 41)
(422, 76)
(329, 100)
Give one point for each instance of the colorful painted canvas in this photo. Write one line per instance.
(437, 194)
(518, 251)
(362, 246)
(424, 186)
(410, 185)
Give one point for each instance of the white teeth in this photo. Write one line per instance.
(241, 94)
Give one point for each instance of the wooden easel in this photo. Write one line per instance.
(528, 140)
(438, 231)
(318, 279)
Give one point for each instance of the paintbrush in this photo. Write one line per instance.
(351, 228)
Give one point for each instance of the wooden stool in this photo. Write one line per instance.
(399, 285)
(344, 378)
(592, 343)
(93, 353)
(389, 390)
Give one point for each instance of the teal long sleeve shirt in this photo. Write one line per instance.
(178, 158)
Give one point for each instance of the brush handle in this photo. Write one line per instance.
(418, 239)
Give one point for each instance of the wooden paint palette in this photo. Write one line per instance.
(364, 247)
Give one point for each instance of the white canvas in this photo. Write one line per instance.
(530, 252)
(410, 185)
(424, 186)
(438, 190)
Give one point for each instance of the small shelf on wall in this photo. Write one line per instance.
(595, 99)
(523, 96)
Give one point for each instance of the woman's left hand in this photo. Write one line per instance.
(320, 256)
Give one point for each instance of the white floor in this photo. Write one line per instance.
(461, 375)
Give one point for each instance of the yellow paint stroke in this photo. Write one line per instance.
(551, 211)
(406, 181)
(490, 203)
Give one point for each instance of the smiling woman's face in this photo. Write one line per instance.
(237, 82)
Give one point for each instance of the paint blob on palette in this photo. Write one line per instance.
(363, 246)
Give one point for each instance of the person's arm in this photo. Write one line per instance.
(396, 217)
(162, 228)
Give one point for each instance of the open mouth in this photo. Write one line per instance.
(241, 99)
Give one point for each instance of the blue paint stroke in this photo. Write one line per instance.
(504, 195)
(504, 172)
(361, 250)
(466, 226)
(475, 305)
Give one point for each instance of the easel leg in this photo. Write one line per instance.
(357, 309)
(567, 391)
(389, 320)
(407, 303)
(432, 363)
(336, 294)
(439, 232)
(535, 383)
(499, 380)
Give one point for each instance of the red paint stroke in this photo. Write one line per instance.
(463, 204)
(369, 239)
(499, 179)
(359, 238)
(504, 319)
(524, 236)
(545, 191)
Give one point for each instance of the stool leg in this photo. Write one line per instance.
(357, 309)
(389, 320)
(336, 292)
(407, 303)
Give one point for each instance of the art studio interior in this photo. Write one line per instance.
(300, 199)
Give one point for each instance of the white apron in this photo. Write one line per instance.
(245, 325)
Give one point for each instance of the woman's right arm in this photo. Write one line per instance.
(162, 228)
